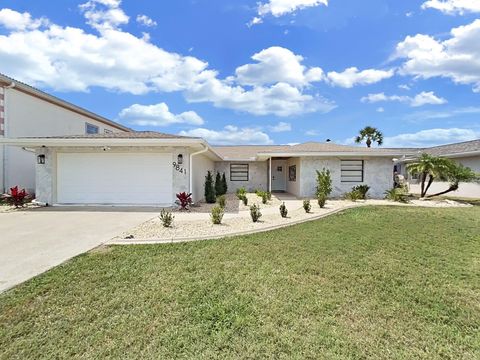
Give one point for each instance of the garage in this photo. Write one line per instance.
(114, 178)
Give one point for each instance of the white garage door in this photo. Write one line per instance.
(114, 178)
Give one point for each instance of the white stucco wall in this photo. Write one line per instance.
(257, 178)
(293, 187)
(473, 162)
(26, 115)
(201, 164)
(378, 174)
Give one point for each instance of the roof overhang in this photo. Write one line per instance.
(328, 154)
(449, 156)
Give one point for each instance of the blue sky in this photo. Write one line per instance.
(275, 71)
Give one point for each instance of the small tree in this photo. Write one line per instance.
(429, 168)
(370, 135)
(454, 175)
(218, 185)
(324, 182)
(209, 189)
(224, 184)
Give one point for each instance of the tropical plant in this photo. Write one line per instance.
(217, 215)
(244, 199)
(321, 200)
(283, 211)
(370, 135)
(324, 182)
(362, 190)
(397, 194)
(209, 189)
(307, 206)
(353, 195)
(224, 184)
(218, 185)
(456, 173)
(255, 213)
(17, 198)
(241, 192)
(184, 200)
(269, 195)
(222, 201)
(429, 168)
(167, 218)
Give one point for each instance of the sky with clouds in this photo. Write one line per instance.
(257, 72)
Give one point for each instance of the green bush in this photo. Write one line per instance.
(397, 194)
(244, 200)
(241, 192)
(217, 215)
(307, 206)
(353, 195)
(321, 199)
(324, 182)
(224, 184)
(167, 218)
(269, 195)
(362, 190)
(255, 212)
(209, 189)
(218, 185)
(222, 201)
(283, 210)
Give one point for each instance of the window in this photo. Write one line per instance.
(238, 172)
(107, 131)
(351, 171)
(91, 129)
(292, 173)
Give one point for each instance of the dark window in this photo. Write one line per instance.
(238, 172)
(351, 171)
(91, 129)
(107, 131)
(292, 173)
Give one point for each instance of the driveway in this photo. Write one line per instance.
(33, 241)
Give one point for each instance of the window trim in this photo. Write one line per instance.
(342, 171)
(87, 124)
(292, 173)
(236, 171)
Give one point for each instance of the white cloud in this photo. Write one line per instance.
(445, 114)
(281, 127)
(380, 109)
(453, 7)
(146, 21)
(157, 115)
(277, 64)
(281, 7)
(431, 137)
(457, 58)
(312, 133)
(424, 98)
(404, 87)
(231, 135)
(104, 14)
(352, 76)
(13, 20)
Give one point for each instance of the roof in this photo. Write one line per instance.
(120, 135)
(245, 152)
(462, 148)
(28, 89)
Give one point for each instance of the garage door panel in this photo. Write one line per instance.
(114, 178)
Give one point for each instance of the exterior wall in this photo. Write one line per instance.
(27, 115)
(378, 174)
(293, 187)
(473, 162)
(257, 175)
(201, 164)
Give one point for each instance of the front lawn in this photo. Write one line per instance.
(373, 282)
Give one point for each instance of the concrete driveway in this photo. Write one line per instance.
(33, 241)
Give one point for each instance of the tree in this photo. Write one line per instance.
(218, 185)
(456, 173)
(324, 182)
(224, 184)
(370, 134)
(209, 189)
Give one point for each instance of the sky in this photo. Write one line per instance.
(257, 72)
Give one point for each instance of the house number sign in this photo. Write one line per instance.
(179, 168)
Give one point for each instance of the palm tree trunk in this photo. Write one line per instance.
(452, 187)
(424, 177)
(430, 181)
(369, 142)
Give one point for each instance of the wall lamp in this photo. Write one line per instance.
(180, 159)
(41, 159)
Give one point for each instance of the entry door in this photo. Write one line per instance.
(279, 175)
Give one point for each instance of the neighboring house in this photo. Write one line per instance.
(149, 168)
(466, 153)
(26, 111)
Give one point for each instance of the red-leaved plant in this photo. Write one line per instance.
(17, 198)
(184, 200)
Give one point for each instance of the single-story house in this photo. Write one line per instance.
(149, 168)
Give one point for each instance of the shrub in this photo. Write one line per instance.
(283, 210)
(218, 185)
(362, 190)
(324, 182)
(269, 195)
(244, 200)
(217, 215)
(17, 198)
(264, 195)
(241, 192)
(255, 213)
(397, 194)
(307, 206)
(209, 189)
(222, 201)
(321, 199)
(353, 195)
(167, 218)
(184, 200)
(224, 184)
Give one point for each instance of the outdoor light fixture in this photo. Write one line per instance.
(180, 159)
(41, 159)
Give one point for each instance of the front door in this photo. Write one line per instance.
(279, 175)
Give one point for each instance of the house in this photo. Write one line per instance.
(466, 153)
(149, 168)
(26, 111)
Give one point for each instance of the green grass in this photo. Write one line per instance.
(377, 283)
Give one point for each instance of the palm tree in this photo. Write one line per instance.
(371, 134)
(456, 174)
(430, 167)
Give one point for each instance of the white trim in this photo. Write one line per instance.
(190, 165)
(327, 153)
